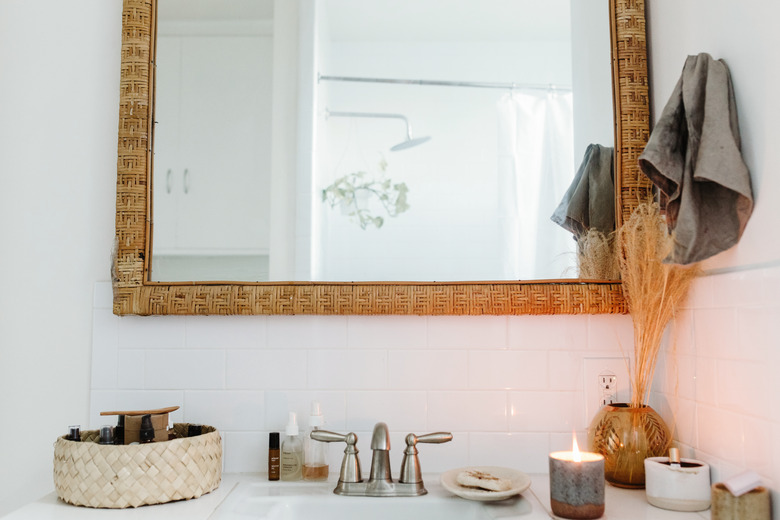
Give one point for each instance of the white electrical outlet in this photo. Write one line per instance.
(606, 382)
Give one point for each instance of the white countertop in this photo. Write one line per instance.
(621, 504)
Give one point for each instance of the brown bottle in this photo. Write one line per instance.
(273, 456)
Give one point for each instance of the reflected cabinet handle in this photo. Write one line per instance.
(186, 180)
(168, 181)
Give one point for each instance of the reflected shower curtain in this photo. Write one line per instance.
(535, 167)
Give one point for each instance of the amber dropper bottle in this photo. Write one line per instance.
(273, 456)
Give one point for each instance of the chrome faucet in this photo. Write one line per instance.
(380, 481)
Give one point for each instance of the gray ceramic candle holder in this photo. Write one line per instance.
(577, 488)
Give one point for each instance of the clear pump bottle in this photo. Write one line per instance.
(292, 451)
(315, 466)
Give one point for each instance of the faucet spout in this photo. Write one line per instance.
(380, 460)
(381, 438)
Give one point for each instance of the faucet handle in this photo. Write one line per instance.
(326, 436)
(350, 464)
(410, 466)
(433, 438)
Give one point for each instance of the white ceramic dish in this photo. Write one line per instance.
(520, 482)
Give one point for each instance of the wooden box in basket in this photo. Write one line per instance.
(90, 474)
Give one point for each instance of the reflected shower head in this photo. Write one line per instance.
(408, 143)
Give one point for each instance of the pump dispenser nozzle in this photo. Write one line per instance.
(315, 418)
(292, 424)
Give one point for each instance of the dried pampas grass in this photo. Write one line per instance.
(653, 290)
(596, 258)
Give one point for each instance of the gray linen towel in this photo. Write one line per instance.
(694, 157)
(590, 200)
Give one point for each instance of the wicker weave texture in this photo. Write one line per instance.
(92, 475)
(134, 294)
(498, 298)
(631, 92)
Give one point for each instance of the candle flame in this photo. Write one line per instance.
(575, 449)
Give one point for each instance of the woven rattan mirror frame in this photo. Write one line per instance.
(135, 294)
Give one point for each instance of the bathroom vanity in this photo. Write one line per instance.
(245, 496)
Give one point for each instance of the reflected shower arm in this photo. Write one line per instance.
(373, 115)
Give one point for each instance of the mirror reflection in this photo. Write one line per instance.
(436, 139)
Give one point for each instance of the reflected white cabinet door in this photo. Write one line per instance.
(166, 144)
(217, 125)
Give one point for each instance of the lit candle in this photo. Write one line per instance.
(577, 483)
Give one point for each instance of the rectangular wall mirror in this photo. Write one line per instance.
(421, 155)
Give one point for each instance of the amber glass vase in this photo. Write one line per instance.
(626, 436)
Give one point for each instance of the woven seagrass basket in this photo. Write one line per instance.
(93, 475)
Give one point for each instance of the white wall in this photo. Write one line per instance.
(59, 95)
(58, 109)
(721, 386)
(743, 36)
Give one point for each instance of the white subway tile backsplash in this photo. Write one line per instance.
(150, 400)
(524, 451)
(565, 370)
(474, 411)
(428, 369)
(191, 369)
(563, 441)
(278, 405)
(399, 410)
(508, 387)
(707, 380)
(101, 401)
(347, 369)
(611, 333)
(774, 386)
(678, 414)
(701, 295)
(679, 334)
(225, 332)
(546, 411)
(775, 460)
(508, 369)
(770, 280)
(148, 332)
(307, 332)
(545, 333)
(684, 421)
(720, 433)
(131, 369)
(388, 332)
(759, 332)
(226, 410)
(743, 387)
(467, 331)
(759, 449)
(677, 372)
(265, 369)
(738, 289)
(716, 333)
(245, 452)
(438, 458)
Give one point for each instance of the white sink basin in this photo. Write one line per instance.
(309, 501)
